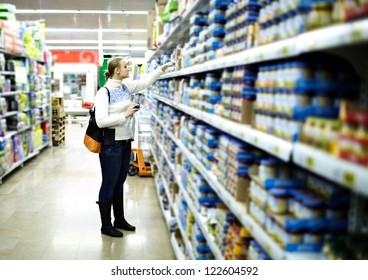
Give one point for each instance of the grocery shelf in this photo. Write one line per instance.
(180, 29)
(269, 143)
(237, 208)
(266, 241)
(6, 73)
(347, 174)
(188, 245)
(9, 114)
(10, 93)
(338, 35)
(166, 213)
(177, 251)
(322, 39)
(200, 220)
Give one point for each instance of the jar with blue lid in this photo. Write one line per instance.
(278, 201)
(312, 207)
(267, 169)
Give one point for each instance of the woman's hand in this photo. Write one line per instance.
(166, 65)
(132, 109)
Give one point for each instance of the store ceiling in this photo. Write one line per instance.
(91, 21)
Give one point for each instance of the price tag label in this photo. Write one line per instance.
(312, 45)
(242, 134)
(357, 34)
(285, 50)
(276, 150)
(348, 178)
(261, 56)
(268, 249)
(310, 162)
(255, 140)
(251, 228)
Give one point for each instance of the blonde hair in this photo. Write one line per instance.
(111, 65)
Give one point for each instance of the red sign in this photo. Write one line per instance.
(76, 57)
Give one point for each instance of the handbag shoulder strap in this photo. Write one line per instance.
(108, 93)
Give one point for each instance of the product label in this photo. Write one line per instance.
(348, 178)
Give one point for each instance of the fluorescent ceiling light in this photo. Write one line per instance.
(137, 42)
(117, 53)
(120, 48)
(80, 30)
(34, 11)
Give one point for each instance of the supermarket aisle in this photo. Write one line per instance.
(48, 210)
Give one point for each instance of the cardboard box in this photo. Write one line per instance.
(239, 189)
(57, 101)
(58, 112)
(246, 114)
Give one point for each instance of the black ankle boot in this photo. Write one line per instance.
(120, 221)
(105, 212)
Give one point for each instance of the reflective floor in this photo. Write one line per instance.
(48, 210)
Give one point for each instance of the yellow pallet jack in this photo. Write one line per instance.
(138, 165)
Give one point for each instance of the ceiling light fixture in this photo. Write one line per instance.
(121, 48)
(34, 11)
(80, 30)
(133, 42)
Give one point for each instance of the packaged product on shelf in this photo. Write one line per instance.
(223, 219)
(350, 10)
(200, 248)
(320, 14)
(240, 17)
(290, 92)
(298, 212)
(256, 252)
(353, 137)
(237, 243)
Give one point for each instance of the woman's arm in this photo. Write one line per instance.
(138, 85)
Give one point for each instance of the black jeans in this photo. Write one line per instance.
(114, 160)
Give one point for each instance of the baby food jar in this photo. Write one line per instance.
(267, 169)
(278, 201)
(312, 207)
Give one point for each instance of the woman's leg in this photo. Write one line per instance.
(110, 160)
(118, 200)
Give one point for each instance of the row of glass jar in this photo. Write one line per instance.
(272, 9)
(300, 203)
(291, 26)
(284, 128)
(286, 103)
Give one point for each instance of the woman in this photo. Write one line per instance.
(114, 110)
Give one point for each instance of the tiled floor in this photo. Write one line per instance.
(48, 210)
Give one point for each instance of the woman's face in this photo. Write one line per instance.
(122, 71)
